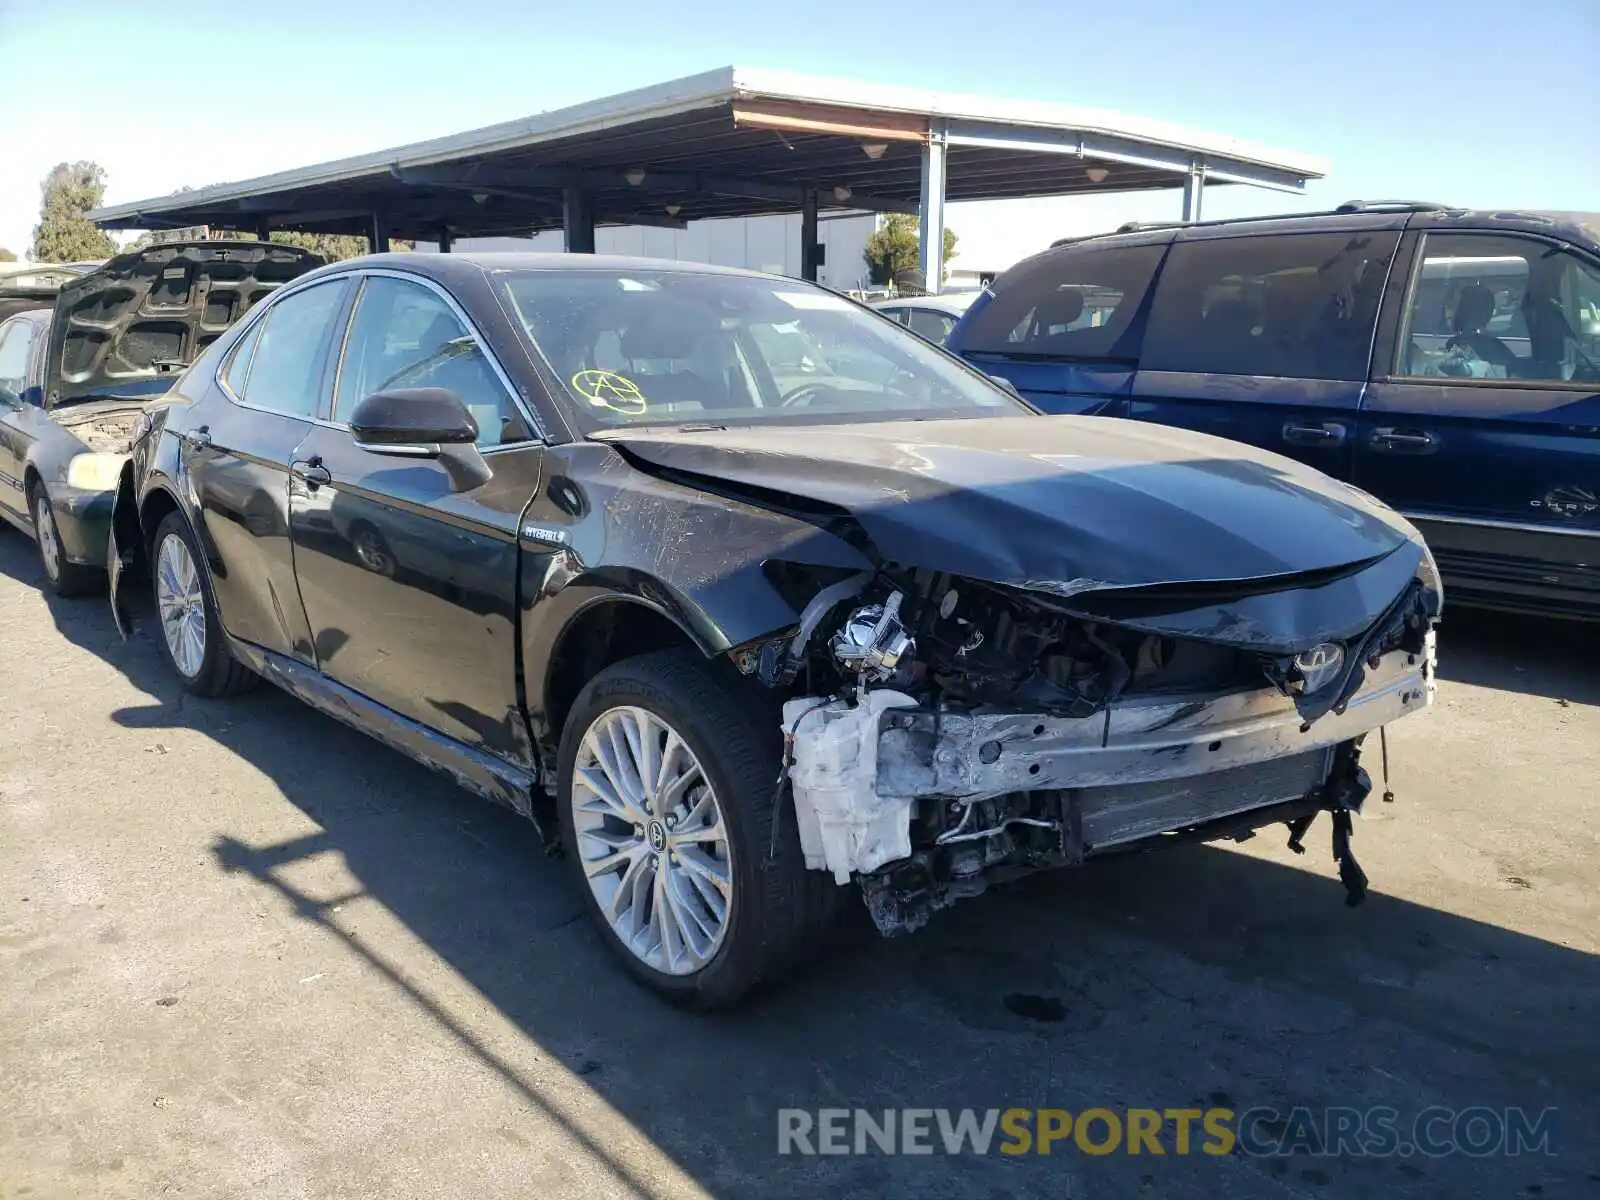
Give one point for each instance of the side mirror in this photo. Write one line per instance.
(406, 420)
(1003, 382)
(423, 423)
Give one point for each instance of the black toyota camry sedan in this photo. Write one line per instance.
(753, 600)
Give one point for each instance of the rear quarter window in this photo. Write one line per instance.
(1079, 301)
(1289, 305)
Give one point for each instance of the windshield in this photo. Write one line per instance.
(685, 347)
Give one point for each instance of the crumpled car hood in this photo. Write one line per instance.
(1059, 505)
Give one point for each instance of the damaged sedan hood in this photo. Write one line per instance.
(1052, 504)
(1088, 513)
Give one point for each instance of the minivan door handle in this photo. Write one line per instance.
(1404, 441)
(1328, 433)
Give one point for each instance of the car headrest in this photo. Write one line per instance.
(1474, 308)
(1063, 307)
(667, 331)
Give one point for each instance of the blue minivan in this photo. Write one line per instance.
(1446, 361)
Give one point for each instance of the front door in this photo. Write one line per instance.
(236, 447)
(1266, 339)
(1484, 426)
(411, 588)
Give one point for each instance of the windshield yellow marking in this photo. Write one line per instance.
(607, 389)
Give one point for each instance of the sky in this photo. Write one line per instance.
(1457, 101)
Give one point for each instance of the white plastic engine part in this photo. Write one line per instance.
(845, 825)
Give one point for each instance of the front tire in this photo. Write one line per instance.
(191, 633)
(667, 805)
(62, 577)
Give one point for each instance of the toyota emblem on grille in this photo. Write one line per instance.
(1319, 665)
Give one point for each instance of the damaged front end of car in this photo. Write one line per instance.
(943, 733)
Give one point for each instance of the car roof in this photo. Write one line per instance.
(444, 267)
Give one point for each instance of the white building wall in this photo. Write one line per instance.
(768, 243)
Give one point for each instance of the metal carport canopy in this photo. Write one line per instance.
(730, 142)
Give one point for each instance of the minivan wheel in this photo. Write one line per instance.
(64, 578)
(191, 634)
(667, 808)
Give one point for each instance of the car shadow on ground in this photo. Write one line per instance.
(1192, 977)
(1515, 653)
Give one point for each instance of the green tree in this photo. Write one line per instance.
(6, 255)
(894, 249)
(63, 234)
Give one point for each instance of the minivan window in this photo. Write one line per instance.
(1295, 305)
(1486, 306)
(1077, 301)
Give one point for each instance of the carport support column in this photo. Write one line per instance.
(378, 235)
(808, 235)
(445, 240)
(1194, 185)
(577, 220)
(931, 233)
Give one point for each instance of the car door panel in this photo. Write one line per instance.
(1312, 420)
(18, 418)
(1504, 483)
(1501, 474)
(411, 589)
(235, 461)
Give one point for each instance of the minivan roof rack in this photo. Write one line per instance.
(1355, 206)
(1348, 207)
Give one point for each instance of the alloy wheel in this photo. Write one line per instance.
(651, 840)
(182, 605)
(44, 524)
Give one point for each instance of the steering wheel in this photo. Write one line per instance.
(803, 395)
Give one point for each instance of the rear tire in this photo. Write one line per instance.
(186, 610)
(61, 577)
(773, 906)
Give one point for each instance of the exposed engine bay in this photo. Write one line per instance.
(103, 430)
(943, 734)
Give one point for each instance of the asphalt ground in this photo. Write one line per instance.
(244, 951)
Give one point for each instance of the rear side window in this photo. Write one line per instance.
(1075, 302)
(1295, 305)
(284, 374)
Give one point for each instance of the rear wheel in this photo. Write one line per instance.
(64, 578)
(191, 634)
(667, 811)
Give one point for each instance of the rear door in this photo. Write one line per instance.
(1065, 327)
(1483, 419)
(18, 418)
(1266, 338)
(236, 449)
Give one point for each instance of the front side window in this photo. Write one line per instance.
(285, 368)
(405, 335)
(1075, 302)
(1292, 305)
(645, 347)
(1484, 306)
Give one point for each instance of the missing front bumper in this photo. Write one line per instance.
(1009, 792)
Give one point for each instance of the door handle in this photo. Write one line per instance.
(198, 439)
(1404, 441)
(311, 472)
(1329, 433)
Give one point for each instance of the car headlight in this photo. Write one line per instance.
(94, 472)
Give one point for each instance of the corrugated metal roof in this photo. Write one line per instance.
(729, 142)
